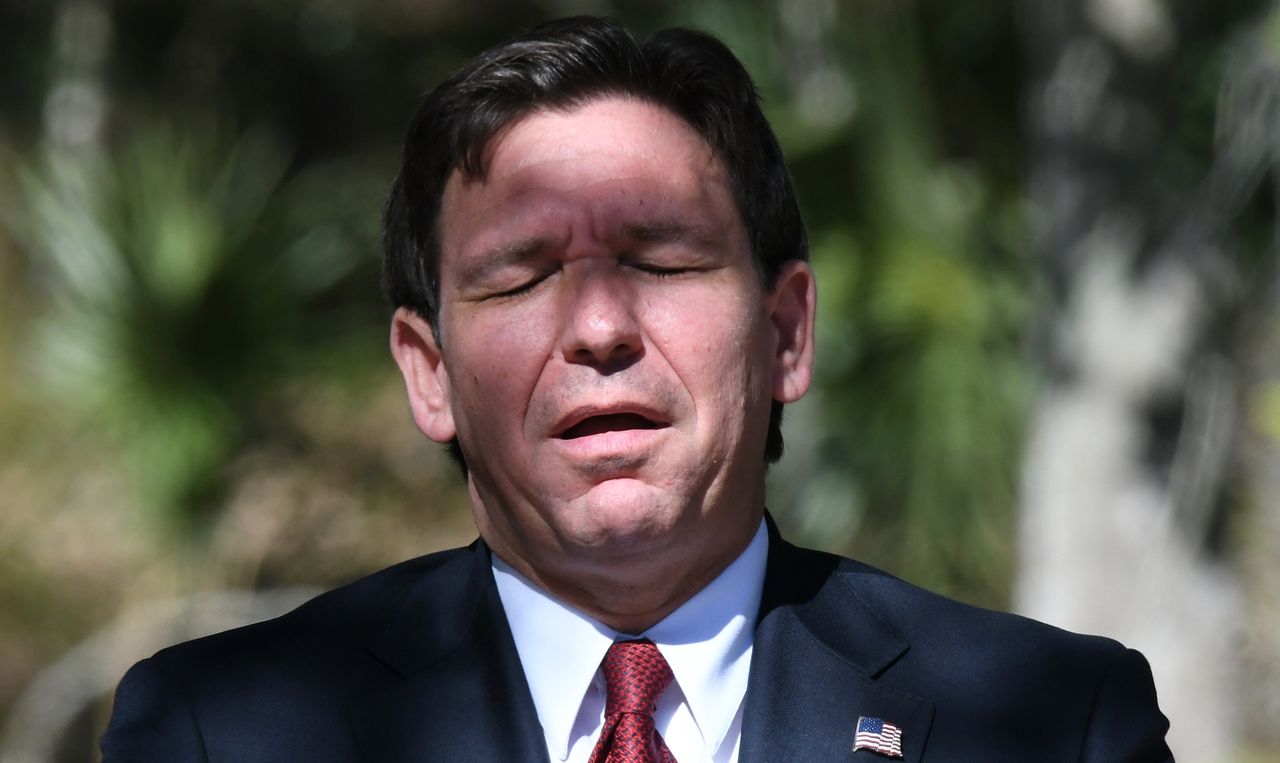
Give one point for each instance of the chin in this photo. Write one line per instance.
(626, 513)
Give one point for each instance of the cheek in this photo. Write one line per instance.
(503, 359)
(716, 344)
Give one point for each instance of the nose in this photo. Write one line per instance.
(600, 328)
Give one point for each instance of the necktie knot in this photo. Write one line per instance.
(635, 675)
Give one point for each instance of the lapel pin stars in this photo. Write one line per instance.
(879, 736)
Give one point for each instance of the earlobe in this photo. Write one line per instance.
(426, 380)
(792, 308)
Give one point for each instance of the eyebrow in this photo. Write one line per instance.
(502, 255)
(666, 232)
(521, 250)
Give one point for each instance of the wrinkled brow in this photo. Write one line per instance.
(502, 255)
(521, 250)
(667, 232)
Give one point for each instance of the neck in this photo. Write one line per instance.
(630, 594)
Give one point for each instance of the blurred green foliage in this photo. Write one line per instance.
(177, 285)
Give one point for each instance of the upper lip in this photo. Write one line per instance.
(583, 412)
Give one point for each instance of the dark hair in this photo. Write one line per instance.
(560, 65)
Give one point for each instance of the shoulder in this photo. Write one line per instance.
(935, 623)
(283, 683)
(336, 620)
(979, 666)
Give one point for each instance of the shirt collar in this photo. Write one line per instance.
(560, 650)
(707, 642)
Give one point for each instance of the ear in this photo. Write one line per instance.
(413, 344)
(792, 307)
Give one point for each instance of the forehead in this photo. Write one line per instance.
(608, 159)
(615, 126)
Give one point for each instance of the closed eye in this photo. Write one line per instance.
(663, 271)
(523, 288)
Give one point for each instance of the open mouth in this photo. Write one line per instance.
(611, 422)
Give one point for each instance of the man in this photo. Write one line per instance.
(603, 301)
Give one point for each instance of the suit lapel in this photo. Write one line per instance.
(817, 662)
(448, 684)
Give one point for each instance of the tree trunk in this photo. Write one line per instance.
(1137, 427)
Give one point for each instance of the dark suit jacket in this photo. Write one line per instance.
(416, 663)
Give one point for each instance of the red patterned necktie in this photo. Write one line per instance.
(635, 675)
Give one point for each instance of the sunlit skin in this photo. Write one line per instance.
(608, 357)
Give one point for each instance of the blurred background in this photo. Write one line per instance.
(1049, 327)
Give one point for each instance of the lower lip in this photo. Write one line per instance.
(611, 444)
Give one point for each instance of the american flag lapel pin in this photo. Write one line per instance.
(879, 736)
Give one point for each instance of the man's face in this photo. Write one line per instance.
(608, 355)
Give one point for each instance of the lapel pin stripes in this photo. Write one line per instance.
(878, 735)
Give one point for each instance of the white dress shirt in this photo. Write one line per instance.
(707, 642)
